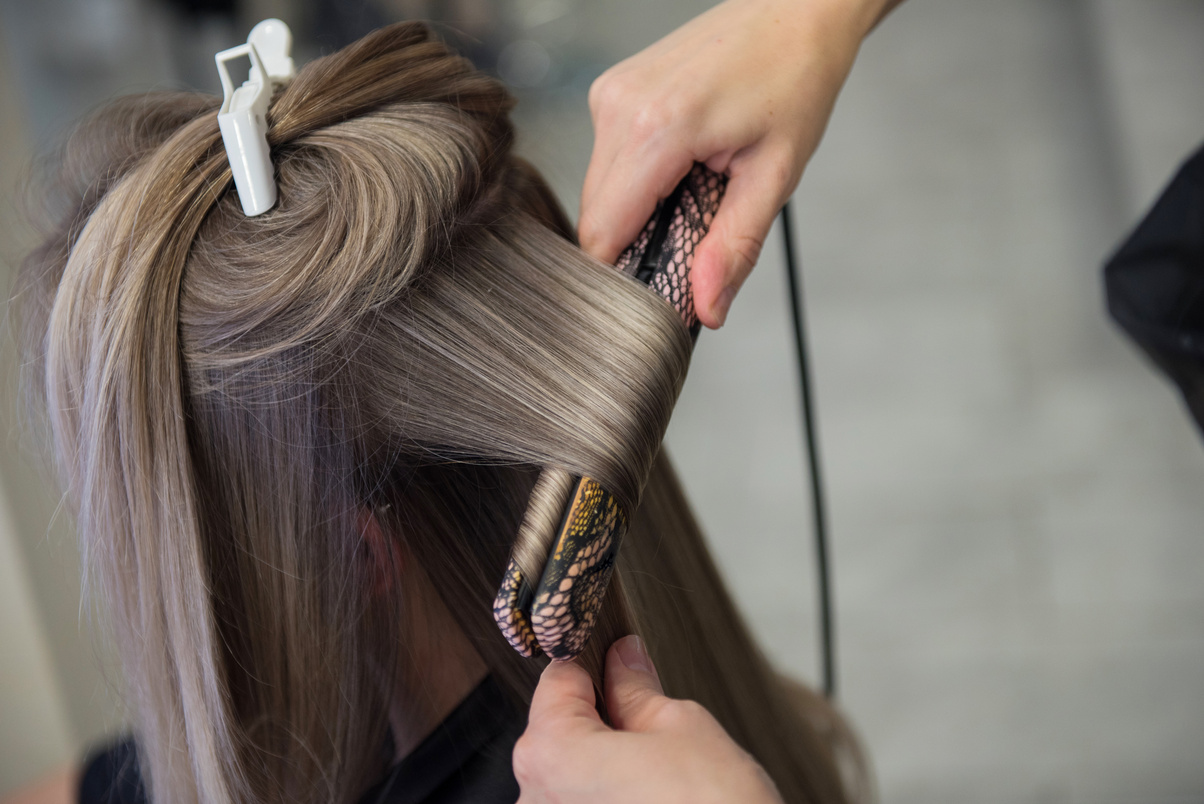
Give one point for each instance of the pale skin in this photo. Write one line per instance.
(657, 749)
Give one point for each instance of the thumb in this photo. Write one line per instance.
(633, 689)
(756, 191)
(564, 700)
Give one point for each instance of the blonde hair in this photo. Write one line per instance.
(411, 330)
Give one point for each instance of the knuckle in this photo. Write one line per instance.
(693, 711)
(649, 120)
(597, 90)
(681, 715)
(747, 249)
(606, 92)
(646, 111)
(525, 760)
(782, 169)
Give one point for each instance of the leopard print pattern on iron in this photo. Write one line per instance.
(691, 220)
(508, 614)
(578, 572)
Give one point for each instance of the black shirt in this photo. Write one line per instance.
(466, 759)
(1155, 283)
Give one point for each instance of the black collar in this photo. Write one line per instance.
(466, 758)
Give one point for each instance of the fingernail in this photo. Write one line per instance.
(634, 655)
(724, 303)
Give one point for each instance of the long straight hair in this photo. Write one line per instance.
(410, 331)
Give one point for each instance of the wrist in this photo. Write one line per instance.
(832, 32)
(852, 18)
(887, 6)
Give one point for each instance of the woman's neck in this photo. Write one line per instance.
(446, 669)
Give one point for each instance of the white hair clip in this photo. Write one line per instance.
(243, 116)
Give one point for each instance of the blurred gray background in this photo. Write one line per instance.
(1017, 500)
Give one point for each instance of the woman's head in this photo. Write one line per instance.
(408, 331)
(410, 335)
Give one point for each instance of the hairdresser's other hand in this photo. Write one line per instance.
(660, 750)
(747, 88)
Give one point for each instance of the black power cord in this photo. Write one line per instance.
(818, 507)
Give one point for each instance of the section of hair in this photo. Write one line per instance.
(410, 332)
(540, 523)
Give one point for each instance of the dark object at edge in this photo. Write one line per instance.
(1155, 283)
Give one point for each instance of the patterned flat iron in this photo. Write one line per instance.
(557, 615)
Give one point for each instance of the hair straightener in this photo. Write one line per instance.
(557, 613)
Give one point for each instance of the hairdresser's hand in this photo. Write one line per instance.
(747, 88)
(661, 750)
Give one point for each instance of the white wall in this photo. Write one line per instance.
(35, 731)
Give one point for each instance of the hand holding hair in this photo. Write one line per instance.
(746, 88)
(659, 750)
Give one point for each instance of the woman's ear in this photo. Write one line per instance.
(384, 551)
